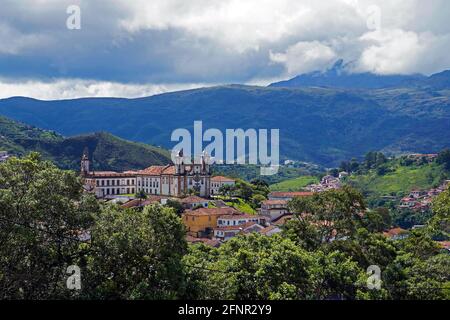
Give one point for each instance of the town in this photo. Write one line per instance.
(200, 198)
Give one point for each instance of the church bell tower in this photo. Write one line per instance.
(85, 163)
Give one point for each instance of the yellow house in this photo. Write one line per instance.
(200, 222)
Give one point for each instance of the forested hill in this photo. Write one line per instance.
(318, 125)
(108, 152)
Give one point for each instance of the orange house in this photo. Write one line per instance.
(200, 222)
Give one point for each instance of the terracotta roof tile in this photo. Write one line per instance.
(212, 211)
(152, 170)
(274, 202)
(193, 199)
(394, 232)
(222, 179)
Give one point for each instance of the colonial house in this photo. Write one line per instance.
(219, 181)
(407, 202)
(192, 202)
(234, 220)
(270, 230)
(202, 221)
(141, 203)
(273, 209)
(110, 183)
(396, 234)
(227, 232)
(169, 180)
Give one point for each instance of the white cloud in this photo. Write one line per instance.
(167, 42)
(14, 42)
(305, 57)
(75, 88)
(402, 52)
(243, 25)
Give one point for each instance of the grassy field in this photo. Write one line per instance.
(241, 205)
(400, 181)
(293, 184)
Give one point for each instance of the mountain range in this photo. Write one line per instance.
(324, 124)
(340, 75)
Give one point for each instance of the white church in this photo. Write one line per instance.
(169, 180)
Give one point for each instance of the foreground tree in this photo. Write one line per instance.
(42, 214)
(335, 213)
(136, 255)
(260, 267)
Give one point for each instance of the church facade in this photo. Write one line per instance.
(173, 180)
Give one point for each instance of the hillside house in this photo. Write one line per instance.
(273, 209)
(201, 222)
(192, 202)
(218, 182)
(227, 232)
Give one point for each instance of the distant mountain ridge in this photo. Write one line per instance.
(107, 151)
(323, 117)
(340, 76)
(319, 125)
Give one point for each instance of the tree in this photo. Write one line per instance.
(175, 205)
(244, 190)
(141, 195)
(252, 267)
(377, 220)
(257, 199)
(440, 223)
(136, 255)
(259, 183)
(374, 160)
(193, 192)
(334, 172)
(42, 213)
(334, 212)
(227, 190)
(444, 159)
(259, 267)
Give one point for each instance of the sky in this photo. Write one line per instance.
(137, 48)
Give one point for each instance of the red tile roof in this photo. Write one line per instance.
(212, 211)
(444, 244)
(193, 199)
(142, 202)
(283, 219)
(112, 174)
(206, 241)
(158, 170)
(274, 202)
(394, 232)
(268, 229)
(169, 170)
(152, 170)
(222, 179)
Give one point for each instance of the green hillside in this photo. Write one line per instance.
(107, 151)
(295, 184)
(318, 125)
(399, 181)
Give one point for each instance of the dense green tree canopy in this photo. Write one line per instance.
(47, 223)
(42, 213)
